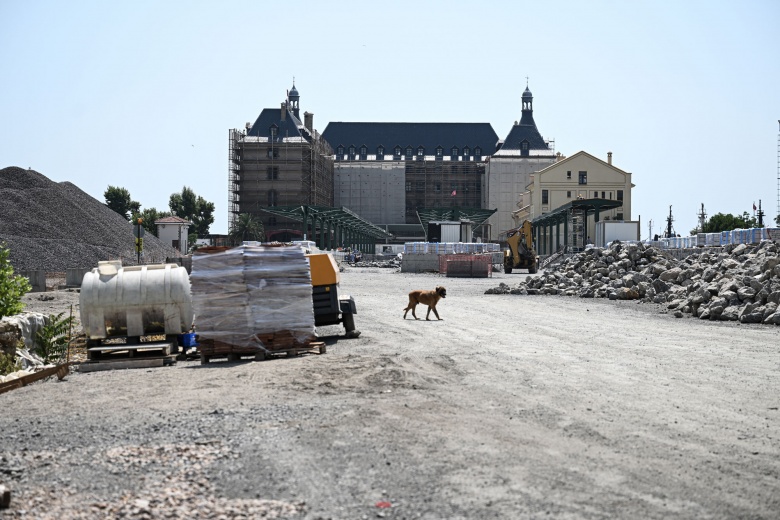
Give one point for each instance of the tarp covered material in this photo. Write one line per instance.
(251, 290)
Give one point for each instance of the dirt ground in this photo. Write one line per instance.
(510, 407)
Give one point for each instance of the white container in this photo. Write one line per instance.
(136, 300)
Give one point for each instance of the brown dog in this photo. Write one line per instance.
(429, 298)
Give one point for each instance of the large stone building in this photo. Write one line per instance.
(522, 153)
(602, 189)
(388, 172)
(279, 161)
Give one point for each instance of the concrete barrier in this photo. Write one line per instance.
(37, 279)
(74, 276)
(420, 263)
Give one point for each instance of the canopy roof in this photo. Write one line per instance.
(475, 215)
(587, 205)
(340, 216)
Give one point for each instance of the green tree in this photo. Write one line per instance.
(196, 209)
(727, 222)
(246, 228)
(12, 287)
(120, 201)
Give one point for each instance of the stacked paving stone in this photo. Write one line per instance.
(55, 226)
(738, 283)
(251, 290)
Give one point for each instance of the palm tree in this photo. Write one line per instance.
(247, 228)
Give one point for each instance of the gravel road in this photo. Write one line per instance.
(510, 407)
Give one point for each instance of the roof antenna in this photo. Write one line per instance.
(526, 82)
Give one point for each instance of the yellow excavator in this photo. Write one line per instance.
(520, 254)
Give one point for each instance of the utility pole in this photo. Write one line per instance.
(702, 218)
(760, 215)
(669, 221)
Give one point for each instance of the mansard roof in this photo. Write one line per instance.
(428, 135)
(290, 127)
(525, 131)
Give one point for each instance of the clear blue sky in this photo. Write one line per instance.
(686, 94)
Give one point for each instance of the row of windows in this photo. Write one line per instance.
(454, 187)
(594, 194)
(410, 152)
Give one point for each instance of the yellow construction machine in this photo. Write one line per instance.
(330, 307)
(520, 254)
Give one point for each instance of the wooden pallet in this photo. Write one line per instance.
(119, 364)
(60, 371)
(211, 349)
(126, 351)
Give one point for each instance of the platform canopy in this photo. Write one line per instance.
(475, 215)
(336, 216)
(559, 214)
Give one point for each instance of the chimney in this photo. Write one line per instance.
(609, 157)
(308, 121)
(248, 126)
(284, 111)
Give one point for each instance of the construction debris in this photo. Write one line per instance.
(733, 283)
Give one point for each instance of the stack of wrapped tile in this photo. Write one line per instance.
(253, 297)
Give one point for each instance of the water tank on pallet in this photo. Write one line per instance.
(135, 300)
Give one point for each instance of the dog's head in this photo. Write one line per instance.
(441, 291)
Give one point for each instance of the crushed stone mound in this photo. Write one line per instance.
(55, 226)
(733, 283)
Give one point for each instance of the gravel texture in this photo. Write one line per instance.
(55, 226)
(510, 407)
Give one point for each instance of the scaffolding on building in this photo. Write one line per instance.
(277, 171)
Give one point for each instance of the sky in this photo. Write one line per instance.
(141, 94)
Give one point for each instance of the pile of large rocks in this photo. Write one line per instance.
(736, 283)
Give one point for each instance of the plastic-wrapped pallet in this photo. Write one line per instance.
(252, 290)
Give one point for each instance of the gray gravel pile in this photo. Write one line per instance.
(741, 283)
(55, 226)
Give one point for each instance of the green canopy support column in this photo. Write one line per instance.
(566, 230)
(305, 223)
(550, 238)
(557, 235)
(322, 233)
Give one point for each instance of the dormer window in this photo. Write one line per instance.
(466, 152)
(340, 150)
(397, 152)
(420, 153)
(363, 152)
(351, 152)
(273, 131)
(380, 153)
(439, 151)
(408, 153)
(454, 154)
(478, 152)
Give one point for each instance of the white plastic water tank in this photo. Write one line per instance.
(136, 300)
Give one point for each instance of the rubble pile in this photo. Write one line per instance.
(56, 226)
(741, 283)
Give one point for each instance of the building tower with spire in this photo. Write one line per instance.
(523, 152)
(279, 161)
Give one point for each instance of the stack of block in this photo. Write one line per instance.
(245, 296)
